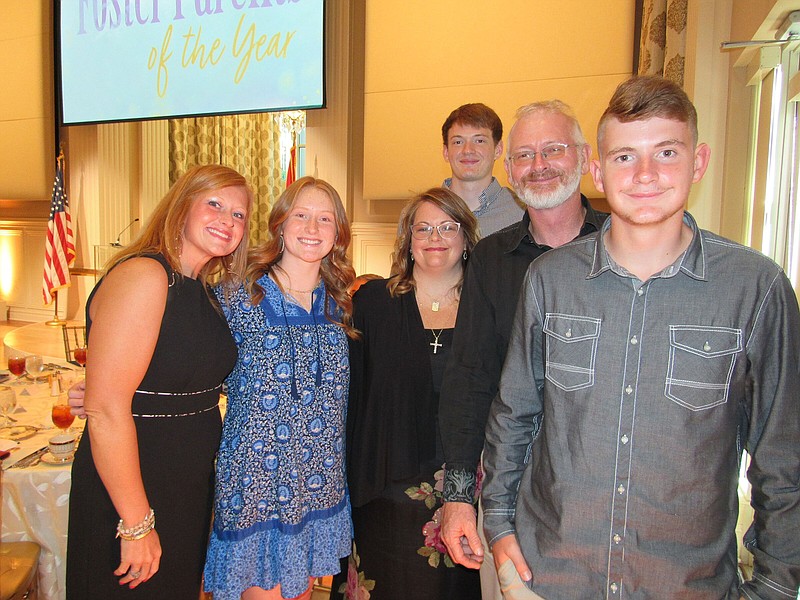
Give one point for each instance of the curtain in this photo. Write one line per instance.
(662, 45)
(249, 143)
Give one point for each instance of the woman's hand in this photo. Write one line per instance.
(140, 559)
(75, 398)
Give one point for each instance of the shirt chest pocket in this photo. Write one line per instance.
(701, 361)
(570, 350)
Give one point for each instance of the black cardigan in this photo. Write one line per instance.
(392, 406)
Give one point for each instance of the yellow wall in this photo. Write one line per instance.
(424, 59)
(395, 70)
(758, 19)
(27, 126)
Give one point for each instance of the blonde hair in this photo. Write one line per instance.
(401, 279)
(163, 231)
(336, 269)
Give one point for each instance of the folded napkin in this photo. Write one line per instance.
(8, 444)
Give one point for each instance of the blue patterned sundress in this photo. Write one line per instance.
(281, 508)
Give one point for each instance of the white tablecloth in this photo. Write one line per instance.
(36, 499)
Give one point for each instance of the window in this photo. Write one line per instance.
(773, 219)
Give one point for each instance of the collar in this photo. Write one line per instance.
(592, 222)
(487, 197)
(692, 262)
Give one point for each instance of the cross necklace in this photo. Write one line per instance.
(435, 343)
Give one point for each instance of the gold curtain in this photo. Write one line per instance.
(249, 143)
(662, 45)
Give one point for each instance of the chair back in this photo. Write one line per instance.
(74, 338)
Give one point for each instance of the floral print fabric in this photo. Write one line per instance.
(281, 513)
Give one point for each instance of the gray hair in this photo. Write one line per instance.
(549, 106)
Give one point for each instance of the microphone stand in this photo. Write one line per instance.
(117, 244)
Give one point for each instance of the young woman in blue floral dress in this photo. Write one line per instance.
(281, 509)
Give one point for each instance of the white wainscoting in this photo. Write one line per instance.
(372, 246)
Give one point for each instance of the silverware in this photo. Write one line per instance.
(57, 367)
(31, 460)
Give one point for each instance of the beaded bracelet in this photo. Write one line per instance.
(138, 531)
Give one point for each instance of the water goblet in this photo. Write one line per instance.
(34, 365)
(80, 355)
(8, 402)
(16, 364)
(60, 413)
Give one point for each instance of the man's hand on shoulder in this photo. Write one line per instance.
(460, 534)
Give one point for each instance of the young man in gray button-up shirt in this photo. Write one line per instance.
(643, 360)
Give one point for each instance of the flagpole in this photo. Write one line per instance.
(55, 321)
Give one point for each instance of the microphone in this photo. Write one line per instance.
(117, 244)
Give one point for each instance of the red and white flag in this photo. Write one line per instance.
(59, 249)
(291, 171)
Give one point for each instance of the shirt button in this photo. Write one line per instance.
(629, 390)
(706, 346)
(613, 588)
(621, 489)
(617, 538)
(624, 439)
(640, 291)
(634, 340)
(569, 333)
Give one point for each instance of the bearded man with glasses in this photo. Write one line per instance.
(547, 155)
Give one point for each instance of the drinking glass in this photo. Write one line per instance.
(8, 402)
(62, 417)
(34, 365)
(80, 355)
(16, 364)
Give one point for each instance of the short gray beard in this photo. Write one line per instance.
(550, 199)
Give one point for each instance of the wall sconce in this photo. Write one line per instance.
(6, 263)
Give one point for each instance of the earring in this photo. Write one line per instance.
(465, 255)
(412, 257)
(283, 245)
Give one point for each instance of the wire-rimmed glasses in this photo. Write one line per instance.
(447, 230)
(549, 152)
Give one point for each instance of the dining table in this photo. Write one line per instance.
(35, 484)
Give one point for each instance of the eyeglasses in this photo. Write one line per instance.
(447, 230)
(551, 152)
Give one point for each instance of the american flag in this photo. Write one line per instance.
(59, 249)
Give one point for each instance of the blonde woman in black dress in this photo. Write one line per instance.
(160, 349)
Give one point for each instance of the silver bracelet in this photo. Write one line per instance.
(139, 530)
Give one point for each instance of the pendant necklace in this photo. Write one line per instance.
(435, 343)
(436, 303)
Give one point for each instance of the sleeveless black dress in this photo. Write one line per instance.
(178, 427)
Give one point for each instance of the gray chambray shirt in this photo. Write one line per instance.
(613, 446)
(498, 208)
